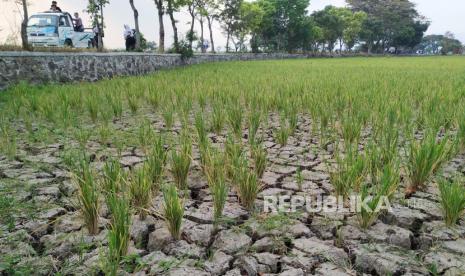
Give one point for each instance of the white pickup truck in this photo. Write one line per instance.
(55, 29)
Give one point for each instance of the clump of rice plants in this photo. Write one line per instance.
(351, 127)
(133, 102)
(156, 162)
(299, 179)
(349, 173)
(217, 118)
(259, 155)
(217, 183)
(452, 199)
(424, 158)
(247, 186)
(8, 144)
(181, 161)
(376, 196)
(88, 195)
(235, 117)
(145, 135)
(92, 108)
(234, 155)
(113, 177)
(173, 210)
(118, 232)
(255, 117)
(282, 133)
(140, 190)
(168, 117)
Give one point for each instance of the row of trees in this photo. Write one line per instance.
(284, 25)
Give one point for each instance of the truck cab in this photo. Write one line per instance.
(55, 29)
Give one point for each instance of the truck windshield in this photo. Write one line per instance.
(42, 21)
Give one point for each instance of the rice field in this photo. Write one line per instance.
(169, 174)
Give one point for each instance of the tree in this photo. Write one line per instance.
(172, 7)
(390, 23)
(192, 9)
(332, 25)
(24, 42)
(229, 16)
(95, 9)
(440, 44)
(211, 13)
(161, 26)
(251, 15)
(136, 23)
(284, 24)
(353, 30)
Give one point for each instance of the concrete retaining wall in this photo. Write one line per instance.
(39, 68)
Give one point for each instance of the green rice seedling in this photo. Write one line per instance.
(154, 98)
(181, 161)
(461, 131)
(351, 127)
(234, 156)
(248, 187)
(88, 195)
(255, 118)
(82, 136)
(92, 105)
(452, 199)
(217, 184)
(133, 102)
(282, 133)
(173, 210)
(145, 135)
(235, 117)
(156, 162)
(202, 100)
(299, 179)
(292, 118)
(202, 133)
(217, 119)
(349, 173)
(376, 194)
(8, 140)
(259, 155)
(116, 103)
(141, 191)
(168, 117)
(424, 158)
(104, 132)
(113, 177)
(118, 232)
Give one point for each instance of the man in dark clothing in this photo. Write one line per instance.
(55, 7)
(78, 26)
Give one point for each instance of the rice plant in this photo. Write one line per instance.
(282, 133)
(118, 232)
(452, 199)
(140, 189)
(235, 116)
(217, 183)
(88, 195)
(168, 117)
(133, 102)
(234, 156)
(424, 158)
(145, 135)
(377, 195)
(299, 179)
(156, 161)
(173, 210)
(217, 118)
(255, 117)
(247, 186)
(181, 161)
(349, 173)
(92, 108)
(259, 155)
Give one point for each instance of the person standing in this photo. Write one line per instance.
(129, 37)
(78, 26)
(55, 7)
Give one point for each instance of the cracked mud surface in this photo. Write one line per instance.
(44, 232)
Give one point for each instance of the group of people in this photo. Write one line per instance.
(129, 34)
(77, 21)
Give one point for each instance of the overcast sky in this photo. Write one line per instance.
(445, 15)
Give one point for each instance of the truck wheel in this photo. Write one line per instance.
(68, 43)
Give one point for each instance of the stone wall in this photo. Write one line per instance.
(38, 68)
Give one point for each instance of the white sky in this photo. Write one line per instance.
(445, 15)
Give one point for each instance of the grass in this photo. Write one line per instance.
(181, 161)
(425, 157)
(452, 199)
(141, 190)
(173, 210)
(118, 232)
(88, 196)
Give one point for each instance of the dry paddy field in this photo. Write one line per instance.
(170, 174)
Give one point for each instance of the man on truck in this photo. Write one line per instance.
(78, 26)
